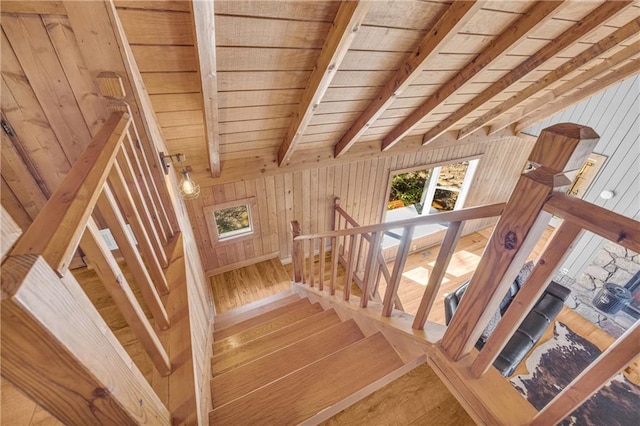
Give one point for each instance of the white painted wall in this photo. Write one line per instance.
(615, 115)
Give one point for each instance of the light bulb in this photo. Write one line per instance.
(187, 187)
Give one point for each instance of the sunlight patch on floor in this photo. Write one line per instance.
(420, 275)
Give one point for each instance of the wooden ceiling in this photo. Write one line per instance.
(290, 82)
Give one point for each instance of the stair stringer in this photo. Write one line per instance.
(410, 344)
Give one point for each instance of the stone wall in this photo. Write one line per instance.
(613, 264)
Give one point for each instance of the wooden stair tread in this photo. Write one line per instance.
(233, 384)
(253, 309)
(266, 327)
(304, 393)
(273, 341)
(258, 318)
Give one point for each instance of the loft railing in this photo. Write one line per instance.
(55, 346)
(539, 194)
(362, 246)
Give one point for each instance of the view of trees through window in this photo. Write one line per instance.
(232, 219)
(441, 195)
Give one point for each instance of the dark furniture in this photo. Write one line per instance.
(531, 329)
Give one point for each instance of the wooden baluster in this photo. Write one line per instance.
(334, 265)
(146, 193)
(112, 278)
(141, 207)
(360, 253)
(311, 264)
(108, 208)
(398, 266)
(69, 370)
(297, 252)
(437, 274)
(557, 248)
(119, 188)
(322, 256)
(617, 356)
(371, 268)
(165, 209)
(560, 149)
(350, 266)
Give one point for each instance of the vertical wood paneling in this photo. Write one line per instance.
(307, 196)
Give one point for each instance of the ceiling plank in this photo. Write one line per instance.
(600, 84)
(568, 67)
(602, 68)
(205, 41)
(551, 49)
(532, 19)
(454, 18)
(342, 33)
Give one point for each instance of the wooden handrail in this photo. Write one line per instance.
(56, 231)
(605, 223)
(481, 212)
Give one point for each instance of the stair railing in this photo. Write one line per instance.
(374, 265)
(55, 345)
(540, 193)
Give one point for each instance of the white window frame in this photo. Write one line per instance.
(231, 236)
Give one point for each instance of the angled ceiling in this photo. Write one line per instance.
(293, 82)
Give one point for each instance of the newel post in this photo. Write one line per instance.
(297, 252)
(559, 151)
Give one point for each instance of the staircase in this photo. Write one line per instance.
(286, 360)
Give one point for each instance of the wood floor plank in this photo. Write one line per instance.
(300, 395)
(243, 315)
(266, 327)
(253, 305)
(260, 318)
(253, 375)
(273, 341)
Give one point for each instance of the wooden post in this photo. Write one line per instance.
(322, 256)
(109, 272)
(297, 252)
(371, 267)
(396, 275)
(350, 266)
(560, 149)
(334, 265)
(556, 250)
(311, 264)
(437, 274)
(58, 350)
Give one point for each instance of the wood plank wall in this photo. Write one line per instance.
(614, 115)
(201, 309)
(307, 196)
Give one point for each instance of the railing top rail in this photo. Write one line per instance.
(479, 212)
(605, 223)
(56, 231)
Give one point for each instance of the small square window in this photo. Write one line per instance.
(232, 221)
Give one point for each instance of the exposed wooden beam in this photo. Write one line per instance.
(553, 95)
(342, 33)
(454, 18)
(584, 92)
(205, 40)
(535, 16)
(571, 65)
(555, 46)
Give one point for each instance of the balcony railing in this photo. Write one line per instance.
(539, 194)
